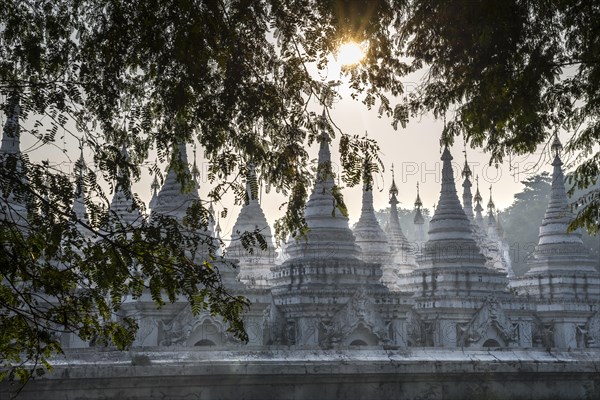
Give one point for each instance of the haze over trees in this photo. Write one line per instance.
(406, 218)
(232, 76)
(521, 221)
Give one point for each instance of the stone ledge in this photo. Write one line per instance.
(303, 373)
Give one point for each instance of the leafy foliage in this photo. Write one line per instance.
(61, 274)
(508, 75)
(232, 75)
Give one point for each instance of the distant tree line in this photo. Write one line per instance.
(521, 221)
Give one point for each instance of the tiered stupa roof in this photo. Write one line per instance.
(369, 235)
(174, 198)
(250, 219)
(402, 250)
(325, 263)
(121, 205)
(561, 267)
(450, 238)
(171, 200)
(451, 264)
(396, 237)
(559, 250)
(329, 236)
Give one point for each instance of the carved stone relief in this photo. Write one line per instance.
(477, 331)
(185, 329)
(592, 334)
(358, 311)
(543, 333)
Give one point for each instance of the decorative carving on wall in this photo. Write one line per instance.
(177, 337)
(419, 332)
(186, 326)
(329, 333)
(273, 326)
(358, 311)
(414, 329)
(543, 333)
(490, 315)
(178, 330)
(289, 333)
(592, 334)
(145, 327)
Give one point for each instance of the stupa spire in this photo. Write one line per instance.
(478, 208)
(10, 148)
(251, 184)
(418, 202)
(79, 209)
(254, 262)
(559, 249)
(369, 235)
(173, 199)
(218, 240)
(450, 236)
(212, 217)
(394, 229)
(492, 231)
(404, 253)
(491, 207)
(122, 203)
(155, 186)
(328, 226)
(393, 187)
(195, 170)
(418, 220)
(367, 195)
(467, 196)
(325, 178)
(218, 229)
(11, 135)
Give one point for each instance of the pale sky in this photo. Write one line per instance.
(414, 151)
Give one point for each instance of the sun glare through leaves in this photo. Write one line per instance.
(350, 53)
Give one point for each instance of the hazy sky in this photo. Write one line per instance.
(414, 151)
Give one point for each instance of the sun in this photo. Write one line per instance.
(350, 53)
